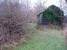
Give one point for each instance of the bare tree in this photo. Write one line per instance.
(13, 21)
(39, 7)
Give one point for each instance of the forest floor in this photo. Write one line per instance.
(47, 39)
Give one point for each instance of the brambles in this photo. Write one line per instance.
(13, 22)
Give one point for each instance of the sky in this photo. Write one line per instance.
(64, 8)
(52, 2)
(48, 2)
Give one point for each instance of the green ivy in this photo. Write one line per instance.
(53, 14)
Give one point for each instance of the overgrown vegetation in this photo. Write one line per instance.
(53, 15)
(13, 22)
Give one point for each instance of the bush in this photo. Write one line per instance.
(13, 22)
(53, 14)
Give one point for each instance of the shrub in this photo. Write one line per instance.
(53, 14)
(13, 22)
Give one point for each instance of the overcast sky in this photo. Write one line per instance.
(53, 2)
(48, 2)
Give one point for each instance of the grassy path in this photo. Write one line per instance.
(43, 40)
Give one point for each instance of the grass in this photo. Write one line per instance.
(43, 40)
